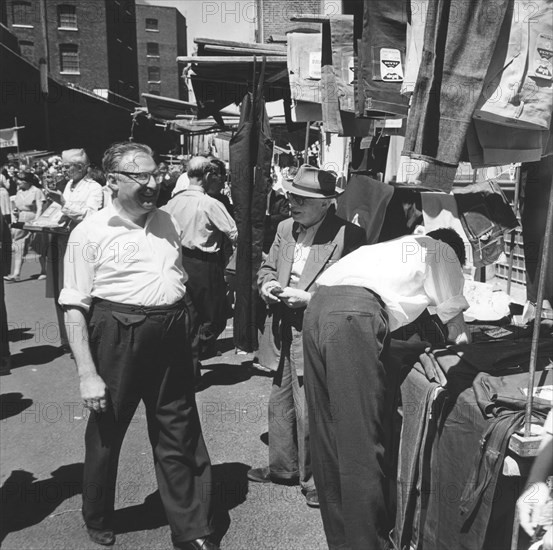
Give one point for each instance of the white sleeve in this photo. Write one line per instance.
(78, 265)
(444, 283)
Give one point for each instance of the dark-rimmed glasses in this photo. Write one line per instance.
(142, 178)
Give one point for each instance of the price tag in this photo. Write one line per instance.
(543, 57)
(315, 65)
(391, 69)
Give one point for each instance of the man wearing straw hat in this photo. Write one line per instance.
(304, 247)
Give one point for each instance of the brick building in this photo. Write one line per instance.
(161, 37)
(90, 43)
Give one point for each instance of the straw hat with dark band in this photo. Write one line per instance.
(311, 182)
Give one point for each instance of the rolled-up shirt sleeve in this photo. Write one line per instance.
(444, 284)
(223, 221)
(78, 264)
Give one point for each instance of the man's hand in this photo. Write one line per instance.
(532, 504)
(266, 294)
(56, 196)
(93, 392)
(295, 298)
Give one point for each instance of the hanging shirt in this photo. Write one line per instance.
(409, 274)
(82, 199)
(203, 220)
(112, 258)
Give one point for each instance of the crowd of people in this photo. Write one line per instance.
(145, 282)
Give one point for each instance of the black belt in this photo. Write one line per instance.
(145, 310)
(201, 255)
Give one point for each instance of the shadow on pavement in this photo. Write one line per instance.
(142, 517)
(224, 374)
(230, 487)
(228, 490)
(12, 404)
(20, 334)
(39, 355)
(26, 502)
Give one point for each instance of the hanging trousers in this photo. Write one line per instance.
(144, 354)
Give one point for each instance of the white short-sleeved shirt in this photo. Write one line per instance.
(409, 274)
(111, 258)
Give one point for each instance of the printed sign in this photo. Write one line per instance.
(391, 69)
(543, 57)
(315, 65)
(8, 138)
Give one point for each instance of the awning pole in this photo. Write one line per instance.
(513, 234)
(537, 320)
(305, 152)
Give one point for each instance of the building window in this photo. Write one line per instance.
(27, 48)
(69, 58)
(152, 49)
(67, 17)
(22, 13)
(152, 24)
(154, 74)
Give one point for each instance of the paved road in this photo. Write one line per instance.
(42, 425)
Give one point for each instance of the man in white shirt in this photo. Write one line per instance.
(360, 300)
(205, 222)
(123, 273)
(81, 196)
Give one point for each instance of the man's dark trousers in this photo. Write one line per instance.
(345, 331)
(208, 291)
(144, 353)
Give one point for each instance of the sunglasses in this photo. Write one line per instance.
(142, 178)
(300, 200)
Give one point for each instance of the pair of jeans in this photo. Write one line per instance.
(382, 45)
(345, 335)
(459, 36)
(518, 90)
(289, 450)
(144, 354)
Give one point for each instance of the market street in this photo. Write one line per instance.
(42, 449)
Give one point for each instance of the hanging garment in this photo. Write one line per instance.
(536, 179)
(416, 21)
(485, 214)
(251, 152)
(455, 60)
(381, 60)
(489, 144)
(518, 90)
(364, 203)
(440, 210)
(304, 73)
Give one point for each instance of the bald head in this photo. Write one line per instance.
(198, 167)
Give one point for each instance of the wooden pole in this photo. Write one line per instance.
(306, 152)
(513, 234)
(537, 320)
(16, 125)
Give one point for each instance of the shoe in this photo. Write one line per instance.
(106, 537)
(12, 278)
(202, 543)
(312, 498)
(260, 367)
(41, 277)
(263, 475)
(259, 475)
